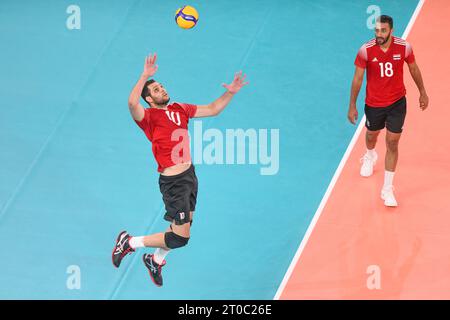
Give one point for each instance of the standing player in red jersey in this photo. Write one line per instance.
(383, 57)
(166, 126)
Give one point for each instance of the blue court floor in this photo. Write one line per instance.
(75, 170)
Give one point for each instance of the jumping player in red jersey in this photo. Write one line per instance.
(165, 125)
(383, 57)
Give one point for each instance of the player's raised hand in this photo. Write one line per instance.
(423, 101)
(149, 66)
(237, 84)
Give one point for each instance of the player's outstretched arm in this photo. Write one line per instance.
(356, 86)
(136, 109)
(417, 76)
(219, 104)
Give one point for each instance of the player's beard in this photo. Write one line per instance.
(383, 40)
(163, 101)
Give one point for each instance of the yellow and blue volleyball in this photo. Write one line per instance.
(186, 17)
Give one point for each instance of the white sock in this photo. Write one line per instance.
(388, 179)
(371, 153)
(159, 255)
(137, 242)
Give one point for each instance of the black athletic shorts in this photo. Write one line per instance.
(392, 117)
(179, 194)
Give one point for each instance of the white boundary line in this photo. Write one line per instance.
(413, 19)
(335, 177)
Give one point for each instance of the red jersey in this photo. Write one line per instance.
(167, 131)
(384, 70)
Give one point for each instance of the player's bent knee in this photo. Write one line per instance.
(174, 241)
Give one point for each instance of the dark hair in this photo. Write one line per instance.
(146, 91)
(386, 19)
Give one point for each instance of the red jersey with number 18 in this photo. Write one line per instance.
(384, 70)
(167, 130)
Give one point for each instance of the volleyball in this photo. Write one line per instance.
(186, 17)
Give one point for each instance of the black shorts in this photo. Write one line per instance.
(179, 194)
(392, 117)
